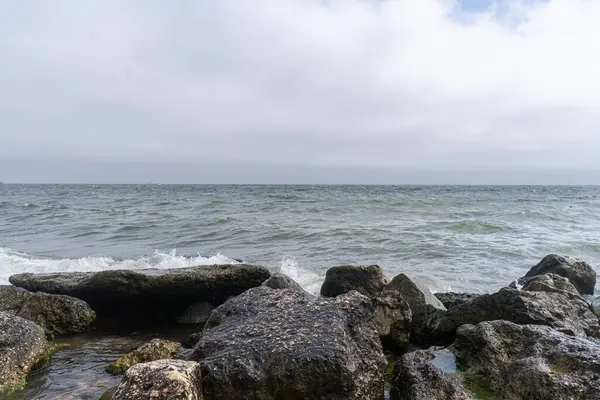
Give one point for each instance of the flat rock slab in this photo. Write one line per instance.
(147, 295)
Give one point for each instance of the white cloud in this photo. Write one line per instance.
(397, 83)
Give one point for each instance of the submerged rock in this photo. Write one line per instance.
(23, 346)
(368, 280)
(161, 380)
(147, 296)
(580, 273)
(57, 315)
(393, 320)
(156, 349)
(549, 283)
(427, 310)
(453, 299)
(276, 344)
(561, 310)
(416, 377)
(504, 360)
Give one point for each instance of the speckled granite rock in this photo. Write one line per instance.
(161, 380)
(393, 320)
(148, 296)
(156, 349)
(549, 283)
(580, 273)
(276, 344)
(23, 345)
(57, 315)
(368, 280)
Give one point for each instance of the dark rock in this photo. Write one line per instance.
(196, 314)
(192, 340)
(156, 349)
(393, 320)
(57, 315)
(453, 299)
(147, 296)
(276, 344)
(417, 377)
(427, 310)
(282, 281)
(161, 380)
(368, 280)
(549, 283)
(23, 346)
(504, 360)
(580, 273)
(561, 310)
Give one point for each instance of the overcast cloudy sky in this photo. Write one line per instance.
(396, 91)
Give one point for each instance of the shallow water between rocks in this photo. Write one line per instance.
(77, 371)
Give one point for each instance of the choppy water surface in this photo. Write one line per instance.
(452, 237)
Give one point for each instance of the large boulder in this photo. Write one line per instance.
(161, 380)
(427, 310)
(580, 273)
(561, 310)
(147, 296)
(276, 344)
(453, 299)
(368, 280)
(418, 375)
(23, 346)
(503, 360)
(156, 349)
(549, 283)
(57, 315)
(393, 319)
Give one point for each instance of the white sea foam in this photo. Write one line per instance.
(14, 262)
(309, 280)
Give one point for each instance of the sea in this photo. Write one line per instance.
(451, 238)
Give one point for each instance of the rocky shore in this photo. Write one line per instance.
(260, 336)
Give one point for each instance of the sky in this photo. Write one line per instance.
(300, 91)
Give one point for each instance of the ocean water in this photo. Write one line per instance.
(459, 238)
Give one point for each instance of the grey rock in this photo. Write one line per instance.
(503, 360)
(196, 314)
(549, 283)
(276, 344)
(282, 281)
(416, 377)
(161, 380)
(192, 340)
(453, 299)
(156, 349)
(23, 346)
(561, 310)
(427, 310)
(393, 319)
(57, 315)
(580, 273)
(147, 296)
(368, 280)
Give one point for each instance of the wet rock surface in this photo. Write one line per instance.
(23, 346)
(147, 296)
(562, 311)
(57, 315)
(549, 283)
(276, 344)
(503, 360)
(453, 299)
(156, 349)
(161, 380)
(580, 273)
(393, 319)
(427, 310)
(368, 280)
(417, 377)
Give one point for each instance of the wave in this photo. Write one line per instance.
(308, 279)
(15, 262)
